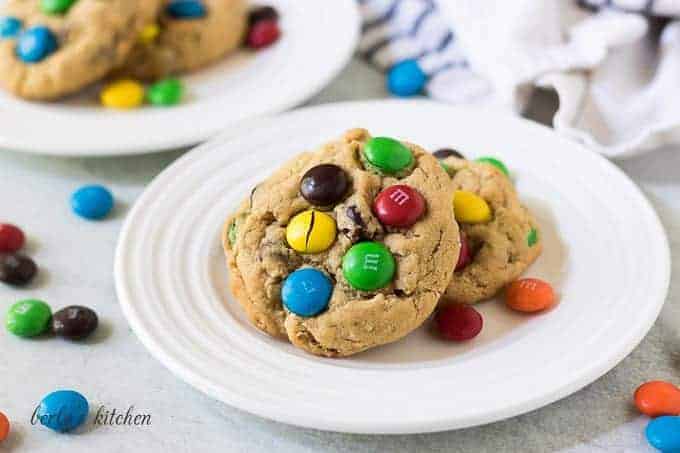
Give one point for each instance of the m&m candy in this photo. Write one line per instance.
(368, 266)
(186, 9)
(406, 78)
(74, 322)
(11, 238)
(470, 208)
(447, 152)
(55, 6)
(92, 202)
(532, 237)
(663, 433)
(657, 398)
(263, 33)
(458, 322)
(465, 256)
(35, 44)
(496, 163)
(529, 295)
(16, 269)
(262, 13)
(149, 34)
(122, 94)
(306, 292)
(63, 410)
(399, 206)
(4, 427)
(324, 185)
(165, 92)
(28, 318)
(9, 26)
(387, 155)
(311, 232)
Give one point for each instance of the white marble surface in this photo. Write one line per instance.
(114, 370)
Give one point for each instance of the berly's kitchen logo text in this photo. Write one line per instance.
(104, 416)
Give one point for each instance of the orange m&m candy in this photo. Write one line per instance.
(657, 398)
(529, 295)
(4, 427)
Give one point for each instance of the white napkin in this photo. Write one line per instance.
(615, 64)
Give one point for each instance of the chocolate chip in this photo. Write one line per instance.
(17, 269)
(355, 216)
(447, 152)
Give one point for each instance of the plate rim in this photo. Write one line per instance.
(588, 376)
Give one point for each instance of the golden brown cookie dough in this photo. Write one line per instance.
(260, 258)
(93, 37)
(500, 248)
(184, 45)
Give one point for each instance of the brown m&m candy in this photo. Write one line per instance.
(447, 152)
(324, 185)
(16, 269)
(399, 206)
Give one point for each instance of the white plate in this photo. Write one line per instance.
(605, 252)
(318, 38)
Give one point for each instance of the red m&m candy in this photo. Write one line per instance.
(399, 206)
(458, 322)
(11, 238)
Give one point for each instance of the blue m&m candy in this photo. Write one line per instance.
(406, 78)
(63, 410)
(92, 202)
(186, 9)
(35, 44)
(664, 433)
(9, 27)
(306, 292)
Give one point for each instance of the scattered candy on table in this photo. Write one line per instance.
(9, 27)
(149, 34)
(11, 238)
(532, 237)
(324, 185)
(529, 295)
(92, 202)
(16, 269)
(657, 398)
(263, 33)
(262, 13)
(663, 433)
(447, 152)
(458, 322)
(387, 155)
(55, 6)
(399, 206)
(368, 266)
(4, 427)
(465, 256)
(496, 163)
(306, 292)
(406, 78)
(74, 322)
(470, 208)
(28, 318)
(186, 9)
(35, 44)
(165, 92)
(311, 232)
(63, 410)
(122, 94)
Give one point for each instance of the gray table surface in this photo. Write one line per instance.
(114, 370)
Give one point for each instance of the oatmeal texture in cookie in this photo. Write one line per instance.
(260, 259)
(93, 37)
(502, 248)
(186, 44)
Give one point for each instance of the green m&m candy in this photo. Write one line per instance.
(496, 163)
(165, 92)
(28, 318)
(368, 266)
(532, 237)
(55, 6)
(387, 155)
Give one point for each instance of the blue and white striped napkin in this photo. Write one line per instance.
(615, 69)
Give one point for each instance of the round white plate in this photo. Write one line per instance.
(599, 232)
(318, 38)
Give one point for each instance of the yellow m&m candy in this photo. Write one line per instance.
(123, 94)
(469, 208)
(311, 232)
(149, 34)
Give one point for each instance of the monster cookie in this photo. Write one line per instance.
(189, 34)
(345, 248)
(499, 237)
(51, 48)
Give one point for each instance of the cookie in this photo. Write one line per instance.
(502, 237)
(187, 43)
(344, 248)
(59, 53)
